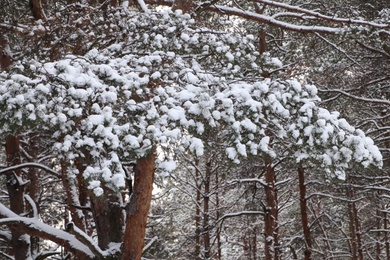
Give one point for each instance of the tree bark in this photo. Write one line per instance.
(354, 226)
(5, 57)
(33, 187)
(15, 187)
(37, 10)
(71, 199)
(107, 213)
(184, 5)
(138, 208)
(197, 210)
(271, 212)
(304, 215)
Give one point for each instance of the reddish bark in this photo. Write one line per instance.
(5, 58)
(354, 225)
(37, 10)
(184, 5)
(138, 208)
(15, 189)
(304, 215)
(271, 212)
(33, 188)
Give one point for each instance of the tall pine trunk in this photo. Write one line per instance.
(15, 186)
(271, 212)
(138, 208)
(304, 215)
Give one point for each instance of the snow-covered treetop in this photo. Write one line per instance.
(169, 83)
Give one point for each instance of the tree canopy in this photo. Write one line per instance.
(102, 95)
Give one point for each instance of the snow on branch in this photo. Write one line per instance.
(151, 242)
(30, 165)
(34, 227)
(272, 21)
(250, 180)
(265, 19)
(143, 6)
(238, 214)
(370, 100)
(321, 16)
(85, 239)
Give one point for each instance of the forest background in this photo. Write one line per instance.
(161, 129)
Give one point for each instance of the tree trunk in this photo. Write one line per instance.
(33, 188)
(385, 226)
(354, 226)
(5, 56)
(15, 187)
(206, 212)
(304, 216)
(37, 10)
(107, 213)
(184, 5)
(137, 212)
(378, 248)
(271, 212)
(72, 201)
(197, 211)
(219, 246)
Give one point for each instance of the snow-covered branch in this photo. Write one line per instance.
(369, 100)
(321, 16)
(143, 6)
(85, 239)
(34, 227)
(238, 214)
(270, 20)
(265, 19)
(30, 165)
(249, 180)
(151, 242)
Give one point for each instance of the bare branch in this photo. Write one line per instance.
(370, 100)
(30, 165)
(321, 16)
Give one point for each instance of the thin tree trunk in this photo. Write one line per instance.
(358, 233)
(354, 226)
(271, 212)
(137, 212)
(304, 216)
(254, 243)
(385, 226)
(206, 212)
(5, 56)
(15, 186)
(197, 211)
(378, 238)
(219, 248)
